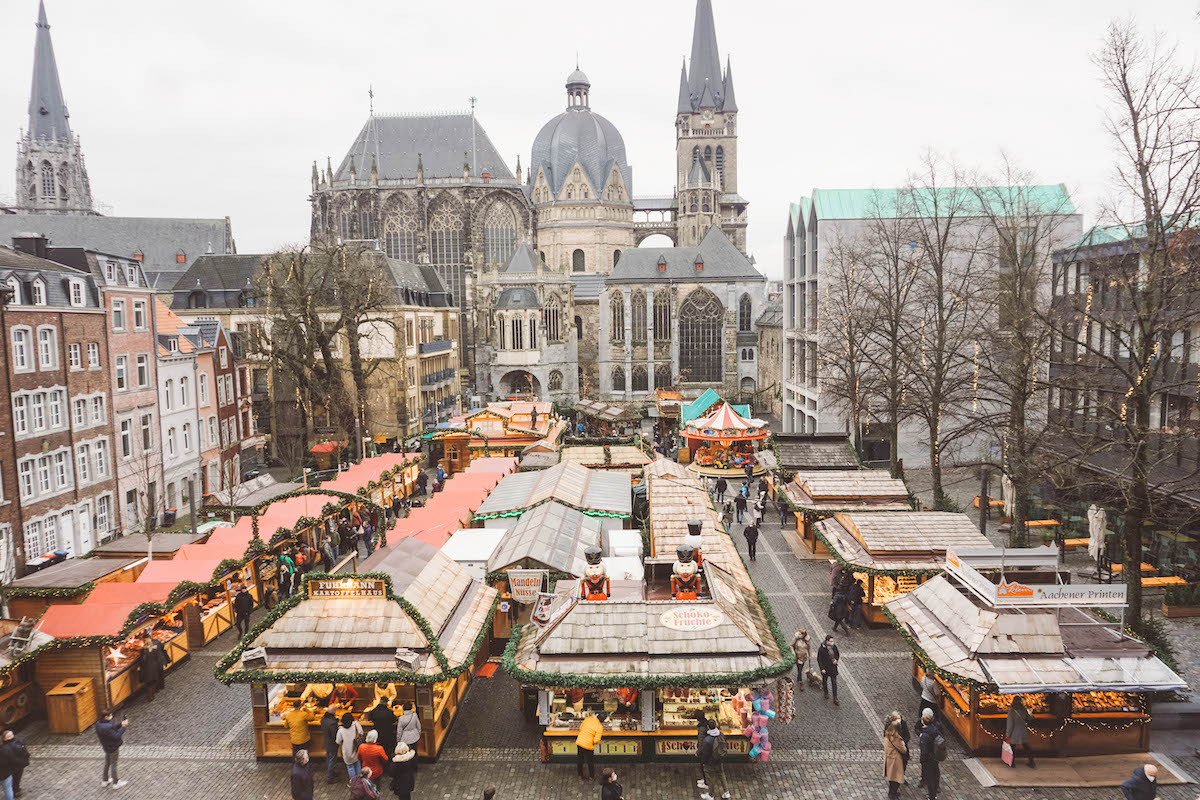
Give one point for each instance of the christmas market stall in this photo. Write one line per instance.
(99, 642)
(1085, 684)
(818, 494)
(67, 583)
(892, 552)
(604, 419)
(722, 443)
(594, 492)
(163, 548)
(412, 628)
(649, 657)
(212, 612)
(618, 457)
(19, 640)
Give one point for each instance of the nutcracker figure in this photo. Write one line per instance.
(693, 538)
(685, 580)
(594, 585)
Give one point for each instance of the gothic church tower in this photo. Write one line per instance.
(51, 175)
(706, 142)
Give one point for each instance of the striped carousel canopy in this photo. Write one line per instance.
(725, 423)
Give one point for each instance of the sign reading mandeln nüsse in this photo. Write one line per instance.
(524, 584)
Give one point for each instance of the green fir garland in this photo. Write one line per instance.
(928, 663)
(52, 593)
(910, 573)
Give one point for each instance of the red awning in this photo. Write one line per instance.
(327, 447)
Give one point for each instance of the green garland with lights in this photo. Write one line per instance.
(433, 434)
(232, 658)
(891, 573)
(49, 593)
(519, 512)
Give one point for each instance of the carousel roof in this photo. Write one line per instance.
(724, 420)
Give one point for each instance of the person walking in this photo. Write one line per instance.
(721, 486)
(152, 664)
(590, 734)
(931, 765)
(111, 735)
(1016, 730)
(894, 751)
(362, 787)
(372, 756)
(18, 755)
(297, 721)
(243, 604)
(727, 516)
(739, 503)
(329, 729)
(8, 770)
(384, 720)
(712, 753)
(855, 605)
(404, 771)
(328, 557)
(408, 726)
(1143, 784)
(802, 649)
(348, 735)
(422, 480)
(751, 534)
(609, 788)
(763, 486)
(838, 609)
(749, 470)
(286, 568)
(302, 780)
(827, 662)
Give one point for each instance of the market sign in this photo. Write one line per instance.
(623, 746)
(687, 747)
(524, 584)
(1014, 594)
(692, 619)
(347, 588)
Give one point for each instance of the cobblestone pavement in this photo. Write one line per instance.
(194, 740)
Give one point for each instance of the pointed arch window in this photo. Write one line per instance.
(617, 301)
(720, 164)
(707, 208)
(446, 247)
(662, 376)
(640, 379)
(708, 153)
(694, 205)
(744, 312)
(618, 379)
(616, 257)
(555, 382)
(400, 236)
(517, 333)
(638, 314)
(662, 318)
(499, 234)
(700, 329)
(551, 320)
(47, 179)
(695, 154)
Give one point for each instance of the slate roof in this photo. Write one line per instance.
(55, 276)
(806, 451)
(772, 316)
(523, 259)
(589, 287)
(551, 535)
(73, 572)
(159, 239)
(517, 297)
(583, 488)
(722, 262)
(580, 135)
(441, 140)
(705, 88)
(223, 278)
(48, 116)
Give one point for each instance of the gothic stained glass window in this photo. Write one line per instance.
(744, 314)
(47, 179)
(551, 316)
(499, 234)
(446, 249)
(640, 379)
(617, 301)
(400, 233)
(662, 317)
(618, 379)
(555, 381)
(700, 329)
(639, 316)
(517, 329)
(662, 376)
(368, 225)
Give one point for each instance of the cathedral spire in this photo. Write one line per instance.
(706, 58)
(47, 110)
(685, 98)
(730, 102)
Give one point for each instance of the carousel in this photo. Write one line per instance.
(723, 443)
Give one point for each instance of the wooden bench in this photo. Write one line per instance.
(1041, 523)
(1071, 544)
(991, 503)
(1169, 580)
(1117, 569)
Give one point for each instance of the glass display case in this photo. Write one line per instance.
(617, 709)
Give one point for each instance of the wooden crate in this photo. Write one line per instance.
(70, 706)
(1173, 612)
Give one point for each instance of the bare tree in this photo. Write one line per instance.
(1127, 331)
(844, 365)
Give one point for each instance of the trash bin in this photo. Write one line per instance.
(70, 706)
(169, 518)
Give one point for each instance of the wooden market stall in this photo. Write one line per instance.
(605, 419)
(646, 659)
(594, 492)
(335, 630)
(893, 552)
(111, 667)
(18, 692)
(1086, 684)
(622, 457)
(212, 613)
(818, 494)
(165, 545)
(67, 583)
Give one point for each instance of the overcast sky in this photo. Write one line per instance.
(219, 108)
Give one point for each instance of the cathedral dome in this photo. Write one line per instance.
(580, 134)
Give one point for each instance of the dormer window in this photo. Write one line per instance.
(131, 275)
(38, 292)
(699, 263)
(662, 264)
(14, 286)
(139, 255)
(180, 257)
(110, 271)
(77, 293)
(173, 344)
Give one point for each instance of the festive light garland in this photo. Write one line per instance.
(842, 560)
(49, 593)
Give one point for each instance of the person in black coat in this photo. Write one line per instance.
(827, 661)
(329, 729)
(384, 720)
(739, 505)
(111, 735)
(751, 534)
(243, 604)
(609, 788)
(152, 664)
(720, 487)
(18, 755)
(1143, 785)
(855, 603)
(931, 768)
(404, 767)
(302, 782)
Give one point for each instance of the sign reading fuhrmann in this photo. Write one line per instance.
(692, 618)
(347, 588)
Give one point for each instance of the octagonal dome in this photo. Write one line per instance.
(580, 134)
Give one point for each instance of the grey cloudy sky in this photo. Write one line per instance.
(219, 108)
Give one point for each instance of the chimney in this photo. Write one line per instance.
(33, 244)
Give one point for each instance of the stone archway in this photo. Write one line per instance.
(521, 384)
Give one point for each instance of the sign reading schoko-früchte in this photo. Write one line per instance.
(347, 588)
(692, 618)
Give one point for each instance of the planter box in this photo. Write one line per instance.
(1173, 612)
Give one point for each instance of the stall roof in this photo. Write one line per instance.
(1021, 650)
(848, 490)
(473, 544)
(73, 573)
(582, 488)
(178, 570)
(812, 451)
(239, 535)
(539, 460)
(900, 540)
(462, 480)
(500, 464)
(606, 412)
(137, 592)
(599, 456)
(135, 543)
(551, 535)
(86, 619)
(257, 490)
(210, 551)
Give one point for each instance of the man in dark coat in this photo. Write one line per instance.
(152, 664)
(18, 755)
(839, 609)
(243, 604)
(111, 735)
(302, 782)
(422, 479)
(751, 534)
(720, 486)
(384, 720)
(1143, 785)
(763, 487)
(739, 504)
(827, 661)
(931, 768)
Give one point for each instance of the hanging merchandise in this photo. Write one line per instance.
(785, 689)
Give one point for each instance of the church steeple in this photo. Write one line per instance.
(51, 175)
(706, 62)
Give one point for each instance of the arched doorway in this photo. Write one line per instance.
(521, 384)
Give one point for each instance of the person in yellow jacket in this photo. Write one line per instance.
(298, 720)
(590, 734)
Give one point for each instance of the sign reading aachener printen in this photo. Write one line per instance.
(347, 588)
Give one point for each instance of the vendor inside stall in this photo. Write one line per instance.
(334, 628)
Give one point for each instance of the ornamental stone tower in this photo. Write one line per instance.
(51, 175)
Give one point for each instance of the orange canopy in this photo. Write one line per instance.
(95, 619)
(210, 552)
(129, 593)
(500, 464)
(327, 447)
(178, 570)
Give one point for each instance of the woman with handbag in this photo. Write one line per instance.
(1016, 731)
(894, 753)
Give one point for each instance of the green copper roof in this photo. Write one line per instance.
(904, 203)
(702, 404)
